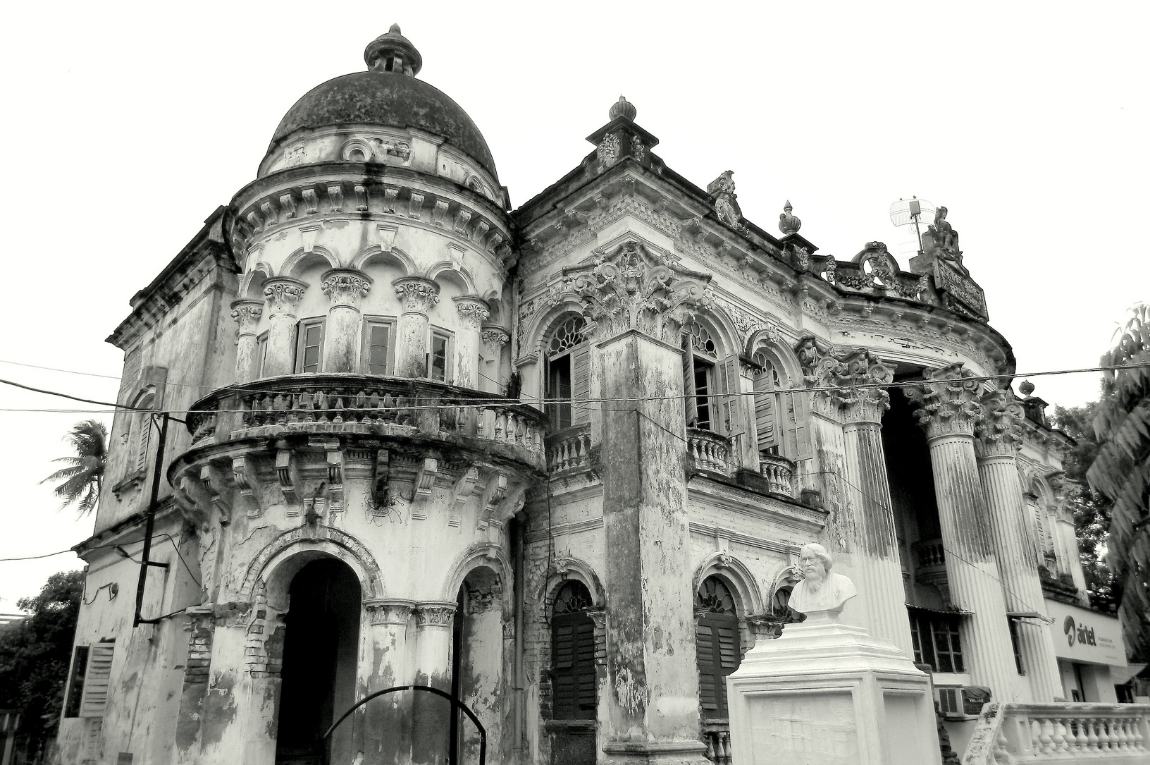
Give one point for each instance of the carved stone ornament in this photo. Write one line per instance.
(608, 151)
(283, 294)
(472, 311)
(416, 294)
(947, 401)
(941, 240)
(824, 369)
(789, 224)
(247, 314)
(633, 289)
(802, 258)
(388, 612)
(345, 286)
(999, 432)
(722, 192)
(494, 338)
(438, 615)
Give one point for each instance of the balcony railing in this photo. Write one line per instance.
(717, 737)
(370, 405)
(930, 558)
(569, 450)
(1063, 733)
(779, 472)
(708, 451)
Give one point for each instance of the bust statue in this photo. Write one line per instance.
(819, 589)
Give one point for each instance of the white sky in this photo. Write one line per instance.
(126, 125)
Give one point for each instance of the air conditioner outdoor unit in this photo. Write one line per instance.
(962, 702)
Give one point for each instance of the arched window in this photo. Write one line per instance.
(709, 385)
(717, 647)
(568, 372)
(573, 693)
(780, 415)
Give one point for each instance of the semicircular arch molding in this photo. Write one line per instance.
(299, 260)
(394, 256)
(275, 565)
(563, 570)
(252, 280)
(719, 323)
(447, 270)
(479, 555)
(781, 355)
(738, 578)
(540, 332)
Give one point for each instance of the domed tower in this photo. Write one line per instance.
(365, 445)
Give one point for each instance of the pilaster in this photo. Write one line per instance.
(473, 311)
(282, 295)
(494, 338)
(247, 315)
(949, 407)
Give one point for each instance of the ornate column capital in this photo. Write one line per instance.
(282, 294)
(434, 614)
(345, 286)
(999, 432)
(247, 314)
(494, 338)
(418, 295)
(824, 368)
(473, 311)
(947, 401)
(633, 288)
(394, 612)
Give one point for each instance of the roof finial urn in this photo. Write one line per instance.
(622, 108)
(393, 52)
(1026, 387)
(789, 224)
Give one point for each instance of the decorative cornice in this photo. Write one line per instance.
(283, 294)
(247, 314)
(999, 432)
(345, 286)
(418, 295)
(472, 310)
(947, 401)
(634, 289)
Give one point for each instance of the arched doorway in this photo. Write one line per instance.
(320, 651)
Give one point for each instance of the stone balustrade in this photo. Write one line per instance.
(717, 737)
(779, 472)
(365, 405)
(708, 451)
(929, 552)
(1064, 733)
(569, 450)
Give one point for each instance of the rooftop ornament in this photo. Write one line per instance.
(789, 224)
(393, 52)
(622, 108)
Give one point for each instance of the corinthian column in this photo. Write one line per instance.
(494, 338)
(417, 296)
(247, 314)
(871, 525)
(472, 313)
(282, 295)
(949, 408)
(430, 714)
(345, 287)
(386, 723)
(997, 440)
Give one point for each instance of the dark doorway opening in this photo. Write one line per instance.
(320, 649)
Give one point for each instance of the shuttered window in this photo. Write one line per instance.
(568, 374)
(90, 680)
(766, 382)
(573, 685)
(717, 647)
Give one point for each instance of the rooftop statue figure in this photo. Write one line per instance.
(820, 590)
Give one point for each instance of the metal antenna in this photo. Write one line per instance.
(905, 211)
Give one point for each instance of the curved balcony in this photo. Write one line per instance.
(708, 451)
(368, 405)
(779, 472)
(930, 559)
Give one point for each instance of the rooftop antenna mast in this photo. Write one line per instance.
(905, 211)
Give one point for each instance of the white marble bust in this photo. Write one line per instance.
(819, 589)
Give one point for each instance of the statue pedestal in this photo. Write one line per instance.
(830, 694)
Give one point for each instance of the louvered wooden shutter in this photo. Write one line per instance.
(573, 695)
(690, 408)
(729, 403)
(798, 442)
(717, 654)
(97, 680)
(765, 411)
(580, 383)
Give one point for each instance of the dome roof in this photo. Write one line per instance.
(393, 98)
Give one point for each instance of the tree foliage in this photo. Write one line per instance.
(82, 479)
(1121, 471)
(35, 653)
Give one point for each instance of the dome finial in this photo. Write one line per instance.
(622, 108)
(393, 52)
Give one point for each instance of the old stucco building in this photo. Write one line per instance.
(556, 461)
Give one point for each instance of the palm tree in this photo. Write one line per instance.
(82, 480)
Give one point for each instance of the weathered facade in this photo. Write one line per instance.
(555, 462)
